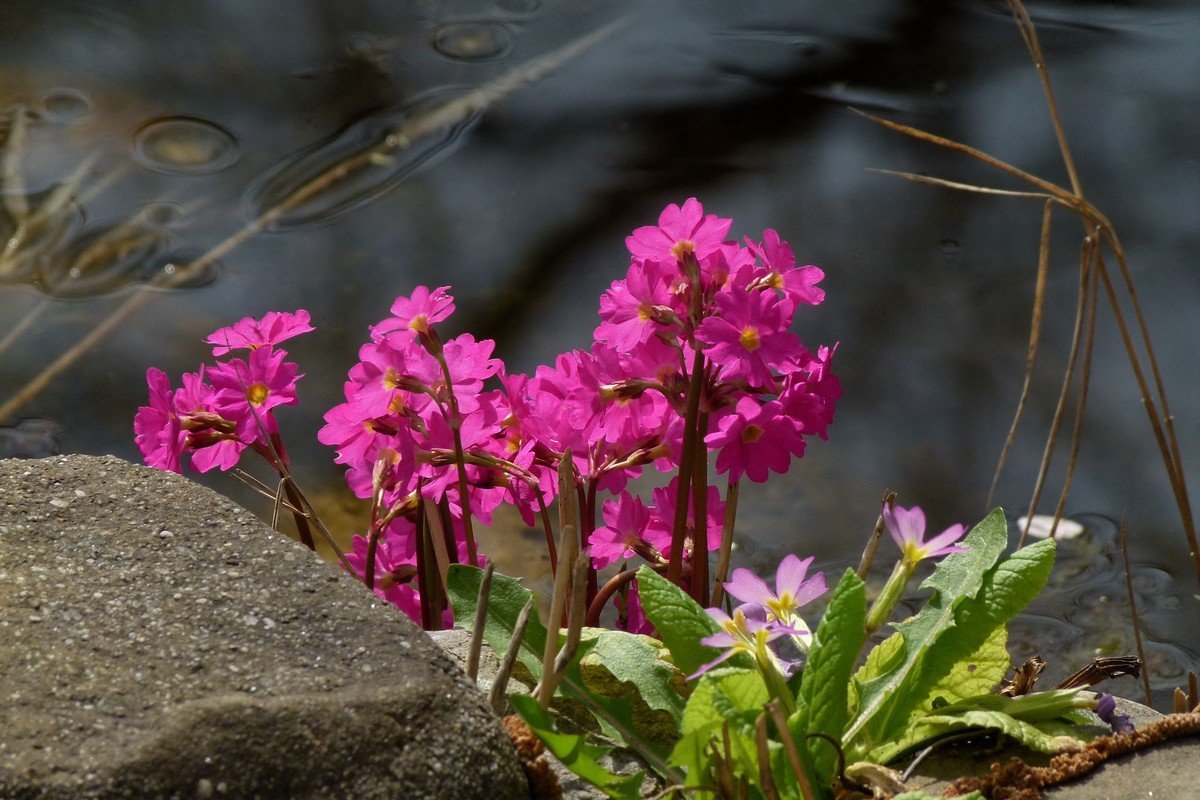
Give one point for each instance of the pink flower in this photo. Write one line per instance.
(907, 529)
(470, 363)
(810, 394)
(747, 631)
(799, 285)
(680, 232)
(212, 439)
(248, 390)
(416, 313)
(156, 426)
(625, 519)
(750, 336)
(660, 527)
(382, 376)
(792, 591)
(251, 334)
(635, 620)
(754, 439)
(628, 307)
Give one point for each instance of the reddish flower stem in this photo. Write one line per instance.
(699, 583)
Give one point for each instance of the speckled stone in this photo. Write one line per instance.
(159, 641)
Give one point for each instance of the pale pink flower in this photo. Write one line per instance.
(907, 528)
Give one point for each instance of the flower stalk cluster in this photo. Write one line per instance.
(693, 358)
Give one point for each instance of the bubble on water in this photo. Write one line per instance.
(30, 438)
(473, 40)
(64, 105)
(184, 146)
(173, 263)
(162, 215)
(375, 173)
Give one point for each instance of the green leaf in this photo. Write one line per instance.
(576, 753)
(1007, 589)
(971, 676)
(505, 602)
(935, 726)
(821, 706)
(681, 623)
(633, 659)
(887, 701)
(721, 690)
(733, 696)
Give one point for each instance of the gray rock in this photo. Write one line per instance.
(158, 641)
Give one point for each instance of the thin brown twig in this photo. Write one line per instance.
(868, 556)
(1035, 332)
(1137, 625)
(496, 696)
(1061, 406)
(731, 503)
(790, 750)
(481, 609)
(1085, 374)
(261, 488)
(766, 781)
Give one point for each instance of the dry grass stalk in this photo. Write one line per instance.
(868, 556)
(731, 501)
(481, 609)
(766, 781)
(1137, 625)
(790, 750)
(568, 550)
(496, 696)
(1103, 236)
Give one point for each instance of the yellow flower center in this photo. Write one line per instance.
(683, 248)
(750, 339)
(420, 323)
(257, 393)
(391, 379)
(644, 312)
(751, 434)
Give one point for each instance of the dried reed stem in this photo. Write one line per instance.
(481, 609)
(496, 696)
(1137, 625)
(868, 556)
(1035, 332)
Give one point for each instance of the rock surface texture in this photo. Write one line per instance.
(159, 641)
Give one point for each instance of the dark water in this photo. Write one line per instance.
(209, 112)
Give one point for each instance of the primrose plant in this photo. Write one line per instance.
(693, 357)
(753, 703)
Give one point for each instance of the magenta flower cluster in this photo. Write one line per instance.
(222, 409)
(693, 354)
